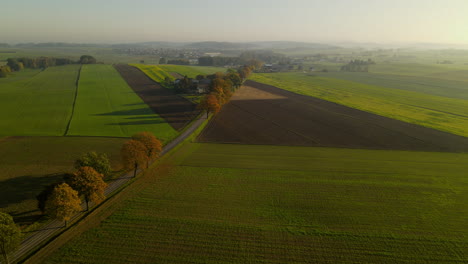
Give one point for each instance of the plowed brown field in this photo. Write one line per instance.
(176, 110)
(263, 114)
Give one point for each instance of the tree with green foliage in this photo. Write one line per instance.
(152, 144)
(133, 154)
(89, 183)
(10, 235)
(99, 162)
(87, 59)
(63, 203)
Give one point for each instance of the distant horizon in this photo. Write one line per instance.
(313, 21)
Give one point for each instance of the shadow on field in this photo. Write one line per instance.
(19, 189)
(22, 188)
(141, 111)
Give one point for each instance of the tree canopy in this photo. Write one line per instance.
(63, 203)
(10, 235)
(152, 144)
(99, 162)
(133, 154)
(89, 183)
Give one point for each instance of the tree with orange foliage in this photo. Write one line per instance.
(63, 203)
(210, 104)
(89, 183)
(133, 155)
(152, 144)
(245, 72)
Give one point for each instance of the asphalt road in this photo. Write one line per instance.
(41, 235)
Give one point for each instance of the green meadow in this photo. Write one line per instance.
(107, 106)
(28, 164)
(210, 203)
(422, 84)
(34, 102)
(438, 112)
(192, 71)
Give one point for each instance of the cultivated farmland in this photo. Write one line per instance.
(442, 113)
(176, 110)
(263, 114)
(191, 71)
(278, 204)
(38, 103)
(107, 106)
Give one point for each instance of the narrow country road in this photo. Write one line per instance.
(53, 227)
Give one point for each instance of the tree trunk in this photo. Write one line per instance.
(87, 203)
(206, 114)
(5, 256)
(135, 171)
(66, 222)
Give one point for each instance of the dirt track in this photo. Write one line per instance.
(176, 110)
(264, 114)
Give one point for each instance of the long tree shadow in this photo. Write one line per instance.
(23, 188)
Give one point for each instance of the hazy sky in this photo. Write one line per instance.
(101, 21)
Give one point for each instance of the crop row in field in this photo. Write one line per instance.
(30, 163)
(278, 204)
(107, 106)
(442, 113)
(37, 103)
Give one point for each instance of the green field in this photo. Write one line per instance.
(107, 106)
(442, 113)
(273, 204)
(421, 84)
(154, 72)
(37, 103)
(192, 71)
(417, 69)
(160, 72)
(30, 163)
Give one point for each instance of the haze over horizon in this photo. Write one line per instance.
(122, 21)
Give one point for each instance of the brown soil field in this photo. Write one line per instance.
(176, 110)
(263, 114)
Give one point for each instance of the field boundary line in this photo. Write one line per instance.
(74, 101)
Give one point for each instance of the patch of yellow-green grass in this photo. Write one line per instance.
(442, 113)
(154, 72)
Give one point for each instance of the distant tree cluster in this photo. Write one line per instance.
(222, 87)
(178, 62)
(87, 59)
(357, 66)
(18, 64)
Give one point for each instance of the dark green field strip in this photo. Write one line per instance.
(40, 104)
(28, 164)
(345, 211)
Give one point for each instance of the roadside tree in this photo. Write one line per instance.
(133, 154)
(63, 203)
(10, 235)
(152, 145)
(89, 183)
(99, 162)
(210, 104)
